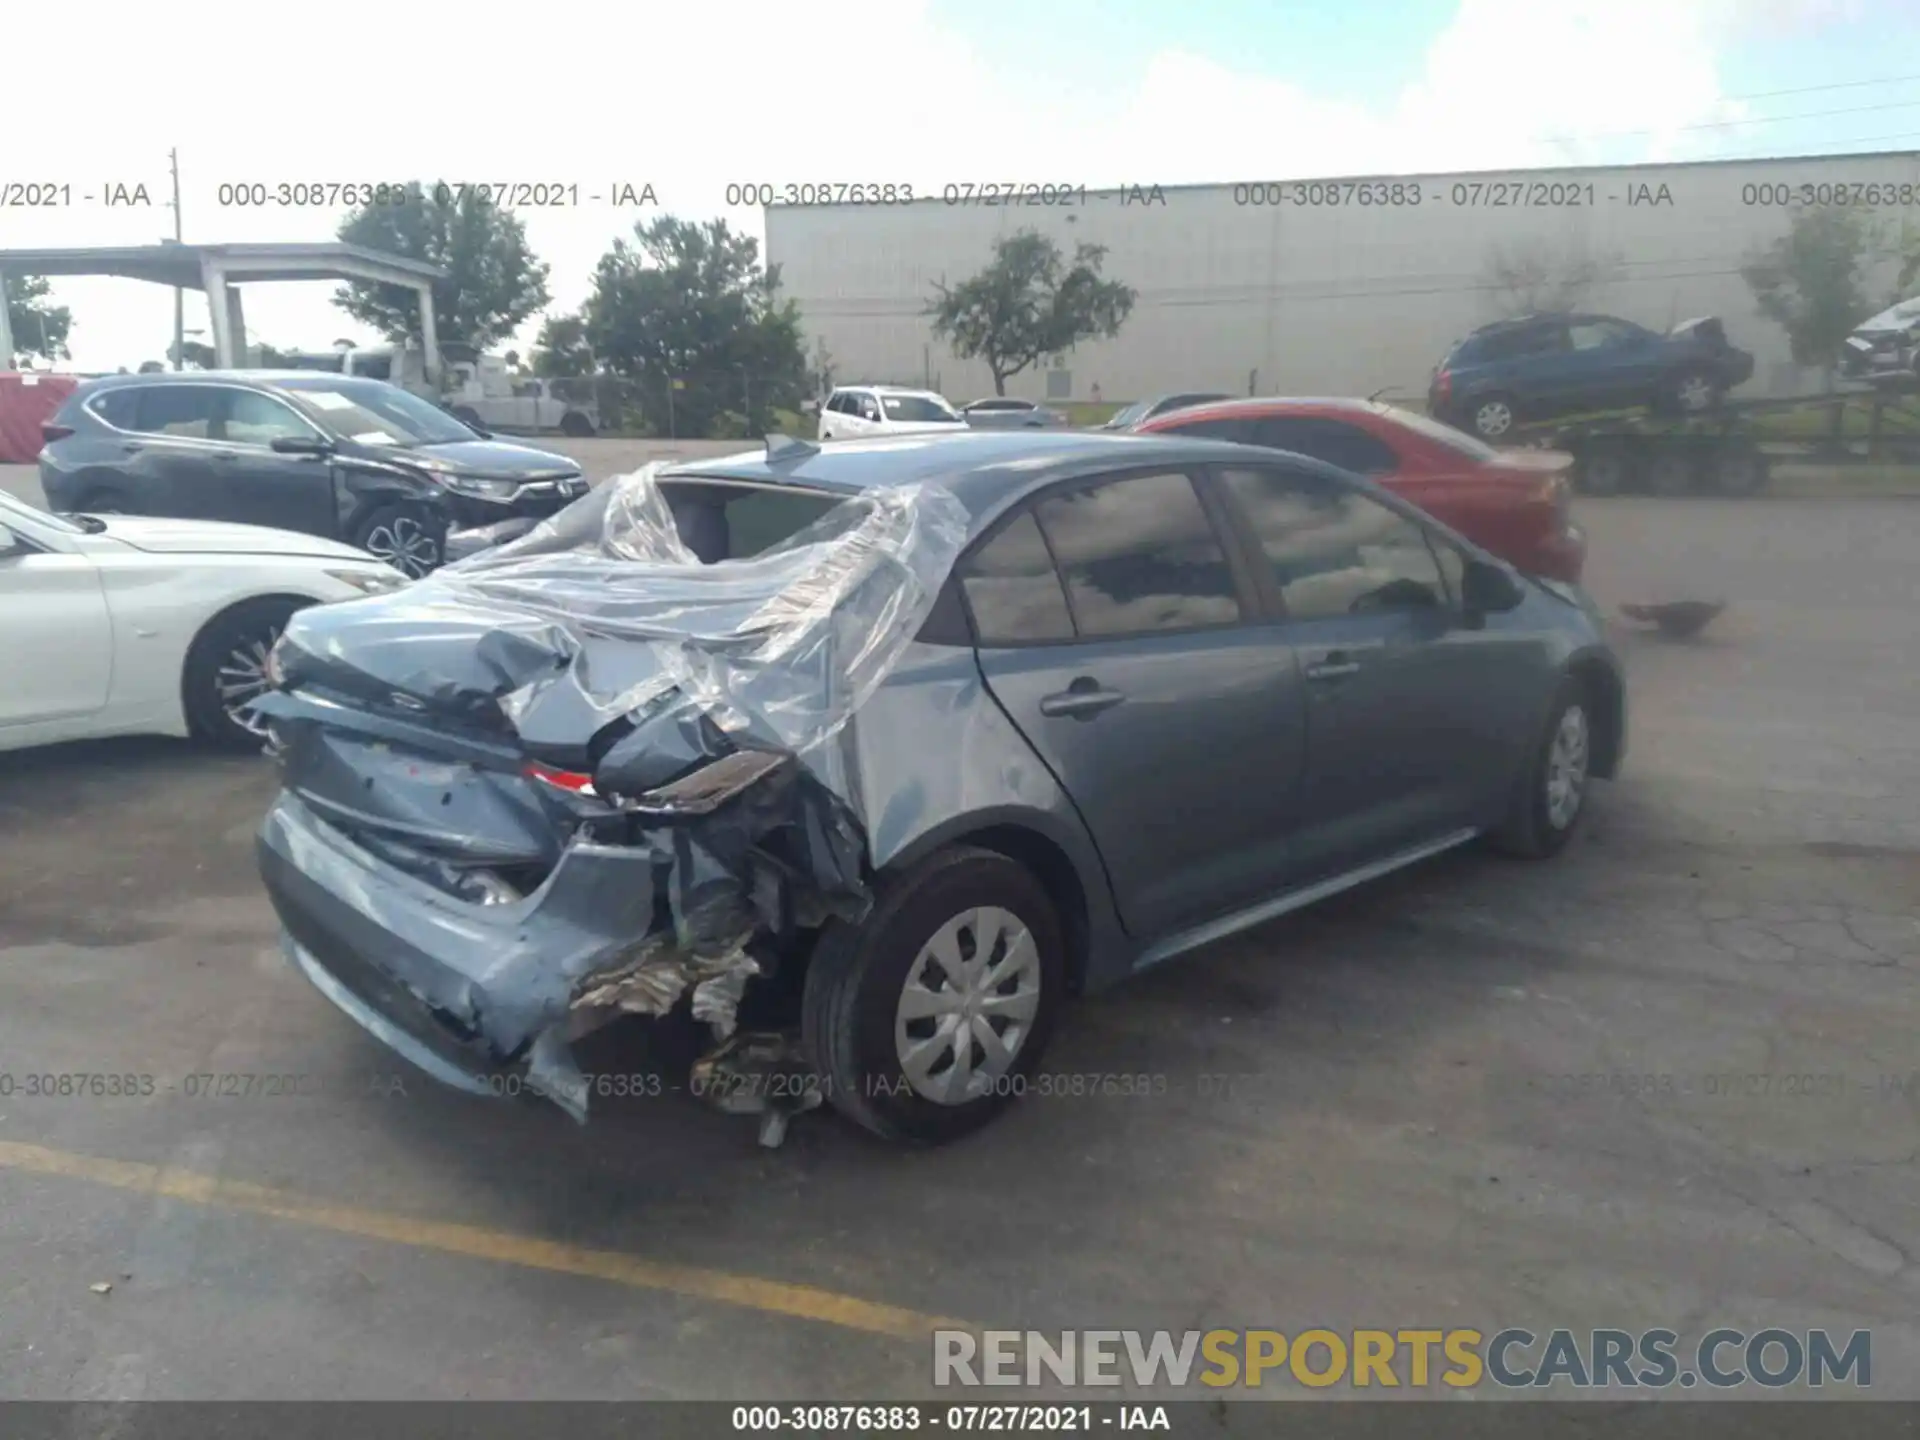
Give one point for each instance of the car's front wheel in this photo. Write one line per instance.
(226, 671)
(411, 538)
(1551, 794)
(927, 1019)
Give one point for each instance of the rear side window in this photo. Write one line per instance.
(1013, 590)
(119, 408)
(1212, 429)
(1140, 555)
(1347, 446)
(184, 410)
(1511, 344)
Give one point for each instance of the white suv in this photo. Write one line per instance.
(853, 412)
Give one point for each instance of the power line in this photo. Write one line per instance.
(1726, 124)
(1836, 85)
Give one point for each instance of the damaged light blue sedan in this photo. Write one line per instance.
(891, 746)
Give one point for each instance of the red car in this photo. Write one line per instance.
(1511, 502)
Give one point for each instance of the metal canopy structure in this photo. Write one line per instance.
(220, 270)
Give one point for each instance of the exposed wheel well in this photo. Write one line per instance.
(1603, 689)
(297, 602)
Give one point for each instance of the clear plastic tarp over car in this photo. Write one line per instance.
(571, 776)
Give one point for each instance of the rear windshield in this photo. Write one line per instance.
(1453, 439)
(733, 522)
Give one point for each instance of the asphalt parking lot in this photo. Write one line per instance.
(1374, 1113)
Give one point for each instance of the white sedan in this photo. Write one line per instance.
(126, 625)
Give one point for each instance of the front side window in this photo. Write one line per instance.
(1333, 550)
(1140, 555)
(256, 419)
(375, 414)
(869, 409)
(1596, 334)
(186, 411)
(1013, 590)
(917, 409)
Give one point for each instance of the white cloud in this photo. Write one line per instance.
(690, 99)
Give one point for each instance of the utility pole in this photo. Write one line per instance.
(179, 295)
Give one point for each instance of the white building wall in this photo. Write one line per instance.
(1318, 298)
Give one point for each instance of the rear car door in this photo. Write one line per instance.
(1119, 630)
(56, 634)
(171, 460)
(1404, 736)
(255, 484)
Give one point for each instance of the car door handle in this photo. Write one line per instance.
(1334, 665)
(1081, 700)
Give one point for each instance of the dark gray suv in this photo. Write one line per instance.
(343, 457)
(869, 756)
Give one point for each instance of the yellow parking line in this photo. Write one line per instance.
(774, 1297)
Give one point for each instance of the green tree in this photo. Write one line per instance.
(692, 304)
(562, 347)
(1813, 282)
(1029, 302)
(494, 280)
(38, 328)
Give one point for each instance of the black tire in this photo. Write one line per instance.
(247, 630)
(1604, 469)
(1672, 471)
(859, 973)
(467, 416)
(1738, 470)
(575, 424)
(1531, 829)
(412, 538)
(1483, 416)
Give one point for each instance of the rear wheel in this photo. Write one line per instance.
(1604, 469)
(467, 416)
(411, 538)
(1692, 392)
(1671, 471)
(105, 502)
(575, 424)
(928, 1018)
(226, 671)
(1492, 417)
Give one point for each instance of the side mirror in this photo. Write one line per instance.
(300, 445)
(1487, 589)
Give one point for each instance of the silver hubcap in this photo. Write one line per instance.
(968, 1006)
(406, 543)
(1493, 418)
(1695, 393)
(1567, 768)
(241, 680)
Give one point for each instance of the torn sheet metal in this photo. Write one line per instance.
(568, 777)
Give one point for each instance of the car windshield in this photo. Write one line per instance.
(1129, 416)
(919, 409)
(373, 413)
(1453, 439)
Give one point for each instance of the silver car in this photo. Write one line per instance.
(870, 757)
(1003, 412)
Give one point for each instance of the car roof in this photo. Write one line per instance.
(267, 378)
(887, 389)
(1269, 405)
(985, 469)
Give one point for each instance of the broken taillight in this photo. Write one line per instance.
(561, 779)
(1442, 387)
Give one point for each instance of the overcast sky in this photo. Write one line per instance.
(688, 98)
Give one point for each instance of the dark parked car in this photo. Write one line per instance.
(1142, 411)
(338, 456)
(1544, 365)
(911, 745)
(1003, 412)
